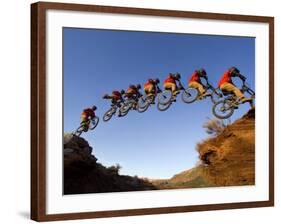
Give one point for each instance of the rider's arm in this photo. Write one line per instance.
(106, 96)
(206, 78)
(242, 77)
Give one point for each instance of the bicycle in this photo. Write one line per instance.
(130, 103)
(224, 109)
(114, 107)
(166, 97)
(112, 111)
(91, 124)
(146, 100)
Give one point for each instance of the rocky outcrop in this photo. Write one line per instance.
(83, 174)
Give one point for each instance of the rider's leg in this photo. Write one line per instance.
(84, 120)
(241, 96)
(173, 88)
(149, 90)
(136, 100)
(85, 123)
(118, 104)
(229, 87)
(196, 85)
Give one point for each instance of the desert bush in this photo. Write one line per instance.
(214, 126)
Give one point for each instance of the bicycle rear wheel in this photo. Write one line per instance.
(189, 95)
(163, 107)
(79, 130)
(223, 109)
(108, 114)
(144, 103)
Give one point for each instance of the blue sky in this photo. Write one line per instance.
(152, 144)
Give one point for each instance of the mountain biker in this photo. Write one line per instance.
(171, 84)
(150, 87)
(226, 84)
(116, 98)
(86, 116)
(133, 93)
(195, 81)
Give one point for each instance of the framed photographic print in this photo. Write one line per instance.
(143, 111)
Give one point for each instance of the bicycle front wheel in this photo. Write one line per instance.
(94, 123)
(223, 109)
(108, 114)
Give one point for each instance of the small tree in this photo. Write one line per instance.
(115, 169)
(214, 126)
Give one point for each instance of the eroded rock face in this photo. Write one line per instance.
(77, 149)
(230, 156)
(83, 174)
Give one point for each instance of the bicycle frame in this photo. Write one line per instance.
(247, 89)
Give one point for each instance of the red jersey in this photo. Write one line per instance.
(117, 95)
(148, 83)
(88, 113)
(226, 78)
(132, 91)
(170, 80)
(195, 77)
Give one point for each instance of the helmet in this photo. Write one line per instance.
(138, 86)
(178, 75)
(202, 72)
(122, 91)
(157, 81)
(94, 108)
(234, 70)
